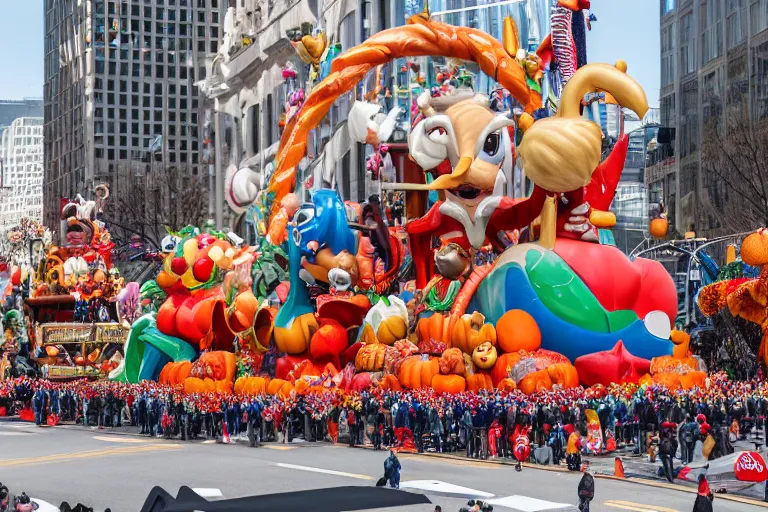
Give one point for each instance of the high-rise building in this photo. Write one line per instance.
(120, 95)
(10, 110)
(714, 60)
(21, 171)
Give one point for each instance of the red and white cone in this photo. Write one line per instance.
(225, 433)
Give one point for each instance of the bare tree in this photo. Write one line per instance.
(158, 202)
(735, 170)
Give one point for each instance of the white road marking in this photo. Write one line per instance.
(208, 493)
(325, 471)
(444, 489)
(209, 441)
(10, 434)
(121, 439)
(528, 504)
(44, 506)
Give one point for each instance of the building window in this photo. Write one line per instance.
(667, 104)
(689, 125)
(270, 120)
(687, 45)
(712, 95)
(712, 30)
(667, 6)
(736, 22)
(668, 55)
(760, 81)
(254, 117)
(758, 16)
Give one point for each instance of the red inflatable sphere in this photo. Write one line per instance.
(202, 269)
(178, 266)
(328, 341)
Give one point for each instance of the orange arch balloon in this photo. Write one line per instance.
(420, 37)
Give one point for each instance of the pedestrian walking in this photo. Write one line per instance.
(392, 470)
(704, 496)
(586, 491)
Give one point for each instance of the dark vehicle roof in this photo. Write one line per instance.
(334, 499)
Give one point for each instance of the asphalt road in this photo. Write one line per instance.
(102, 469)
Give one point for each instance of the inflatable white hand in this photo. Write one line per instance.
(380, 311)
(360, 115)
(243, 185)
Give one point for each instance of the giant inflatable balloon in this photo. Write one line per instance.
(336, 295)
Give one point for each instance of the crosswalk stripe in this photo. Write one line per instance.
(528, 504)
(325, 471)
(637, 507)
(444, 489)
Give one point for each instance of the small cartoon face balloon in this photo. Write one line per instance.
(484, 356)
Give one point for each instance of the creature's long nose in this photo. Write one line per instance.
(448, 181)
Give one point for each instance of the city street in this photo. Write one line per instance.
(103, 469)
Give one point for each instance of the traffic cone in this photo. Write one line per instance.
(225, 433)
(618, 468)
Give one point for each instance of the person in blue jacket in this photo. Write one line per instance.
(392, 470)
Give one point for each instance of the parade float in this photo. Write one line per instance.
(333, 297)
(741, 287)
(77, 310)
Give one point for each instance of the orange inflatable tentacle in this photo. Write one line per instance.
(293, 143)
(364, 259)
(420, 37)
(385, 280)
(469, 289)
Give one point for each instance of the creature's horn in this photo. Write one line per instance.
(603, 77)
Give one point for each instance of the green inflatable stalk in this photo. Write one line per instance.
(144, 331)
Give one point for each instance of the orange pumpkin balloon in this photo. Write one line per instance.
(754, 248)
(517, 330)
(504, 364)
(479, 381)
(535, 381)
(658, 228)
(451, 384)
(194, 385)
(390, 383)
(507, 384)
(564, 374)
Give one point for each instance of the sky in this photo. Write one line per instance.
(625, 29)
(21, 49)
(628, 30)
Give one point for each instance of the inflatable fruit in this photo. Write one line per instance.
(470, 330)
(202, 269)
(517, 330)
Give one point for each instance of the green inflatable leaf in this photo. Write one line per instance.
(565, 294)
